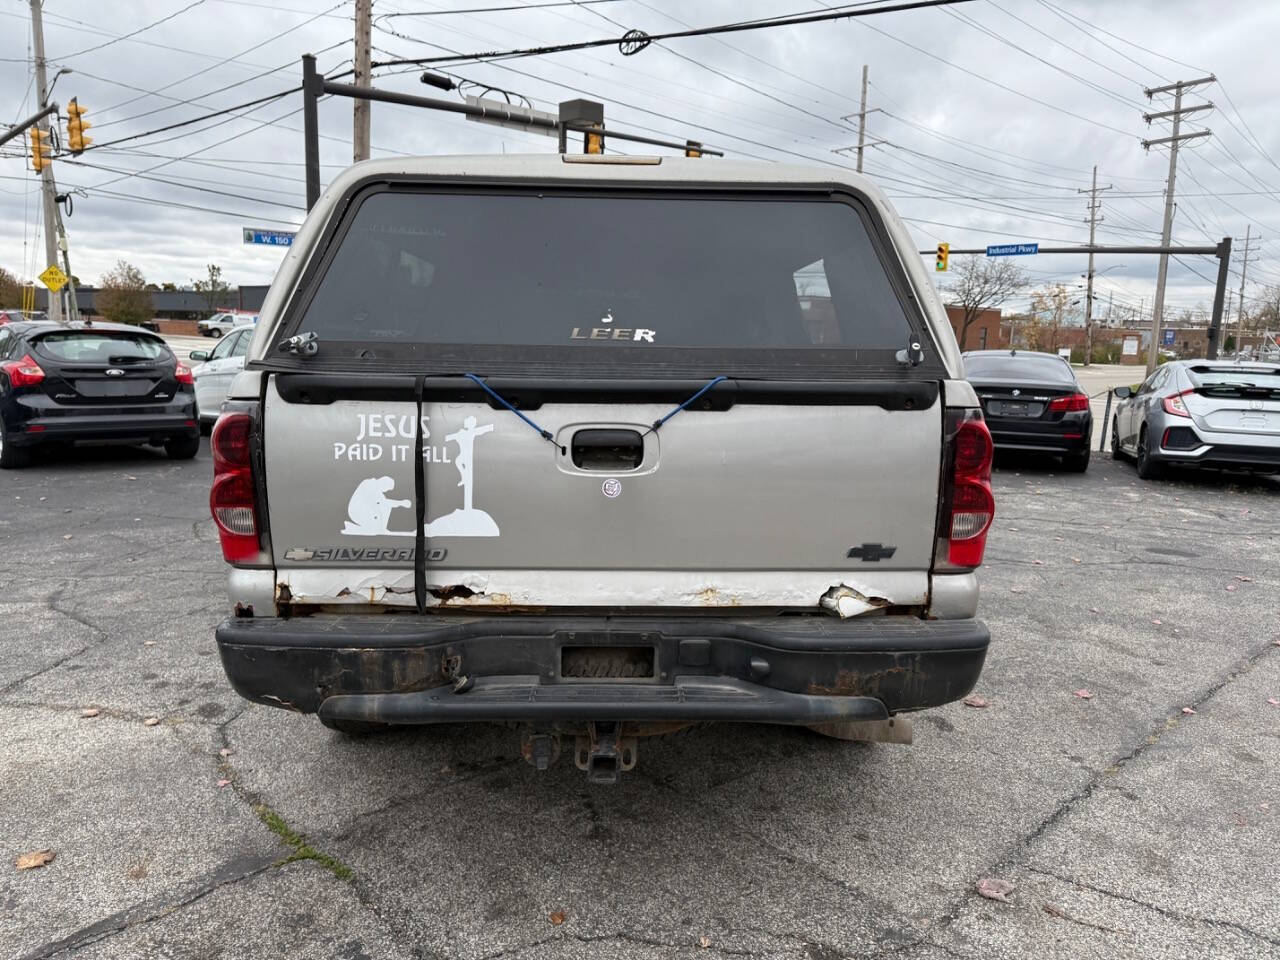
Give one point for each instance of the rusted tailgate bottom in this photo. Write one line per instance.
(789, 670)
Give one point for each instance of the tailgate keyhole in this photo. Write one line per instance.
(607, 450)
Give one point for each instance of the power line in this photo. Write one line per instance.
(200, 119)
(526, 6)
(644, 40)
(130, 36)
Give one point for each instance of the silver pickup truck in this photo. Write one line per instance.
(603, 447)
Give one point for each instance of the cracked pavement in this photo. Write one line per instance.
(1128, 827)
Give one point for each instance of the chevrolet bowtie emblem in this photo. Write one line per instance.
(872, 552)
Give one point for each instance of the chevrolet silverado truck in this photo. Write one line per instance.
(602, 447)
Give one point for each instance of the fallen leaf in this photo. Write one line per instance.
(973, 700)
(224, 752)
(704, 942)
(1273, 701)
(1094, 610)
(1038, 563)
(1015, 589)
(1232, 588)
(1188, 710)
(1157, 622)
(558, 917)
(993, 888)
(1245, 579)
(1276, 642)
(1264, 806)
(37, 858)
(151, 721)
(1075, 560)
(223, 783)
(129, 476)
(90, 712)
(1054, 911)
(1083, 694)
(148, 643)
(44, 498)
(66, 536)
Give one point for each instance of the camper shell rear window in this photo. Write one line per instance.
(608, 283)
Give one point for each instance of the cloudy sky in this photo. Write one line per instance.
(991, 115)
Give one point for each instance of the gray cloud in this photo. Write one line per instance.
(968, 157)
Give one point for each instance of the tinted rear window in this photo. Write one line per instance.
(1020, 367)
(1233, 378)
(612, 273)
(85, 346)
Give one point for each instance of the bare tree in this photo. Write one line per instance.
(124, 297)
(1052, 307)
(214, 289)
(10, 289)
(982, 283)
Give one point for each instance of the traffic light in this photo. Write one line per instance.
(41, 149)
(692, 148)
(944, 252)
(593, 141)
(76, 126)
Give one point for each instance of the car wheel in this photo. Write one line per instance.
(182, 448)
(1076, 462)
(1148, 467)
(1116, 452)
(11, 457)
(215, 333)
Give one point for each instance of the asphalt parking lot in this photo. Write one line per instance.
(1128, 825)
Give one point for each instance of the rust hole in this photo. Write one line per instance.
(454, 591)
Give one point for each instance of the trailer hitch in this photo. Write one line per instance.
(603, 753)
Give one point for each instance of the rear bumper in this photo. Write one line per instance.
(786, 670)
(112, 426)
(1226, 456)
(1069, 435)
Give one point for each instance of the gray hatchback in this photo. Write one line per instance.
(1208, 413)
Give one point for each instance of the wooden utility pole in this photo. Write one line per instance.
(49, 189)
(360, 109)
(1157, 314)
(1093, 219)
(862, 118)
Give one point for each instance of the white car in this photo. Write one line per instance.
(220, 324)
(220, 365)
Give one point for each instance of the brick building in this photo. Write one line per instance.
(987, 332)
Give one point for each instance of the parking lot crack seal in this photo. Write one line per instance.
(1163, 911)
(233, 872)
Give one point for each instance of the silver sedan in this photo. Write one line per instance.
(1211, 413)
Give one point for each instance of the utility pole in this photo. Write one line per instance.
(862, 118)
(360, 110)
(1244, 269)
(1157, 314)
(49, 188)
(1094, 206)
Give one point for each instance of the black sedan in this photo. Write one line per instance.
(62, 383)
(1032, 402)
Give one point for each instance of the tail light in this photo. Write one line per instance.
(23, 373)
(183, 374)
(967, 505)
(1076, 403)
(1175, 406)
(233, 501)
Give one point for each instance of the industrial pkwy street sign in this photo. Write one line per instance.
(272, 238)
(53, 278)
(1013, 250)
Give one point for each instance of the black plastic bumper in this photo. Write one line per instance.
(788, 670)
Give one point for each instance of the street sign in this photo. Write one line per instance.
(272, 238)
(1013, 250)
(53, 278)
(1168, 337)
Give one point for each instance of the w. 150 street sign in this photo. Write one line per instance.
(272, 238)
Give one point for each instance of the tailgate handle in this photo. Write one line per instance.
(607, 449)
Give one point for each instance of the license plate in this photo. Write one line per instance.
(1014, 408)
